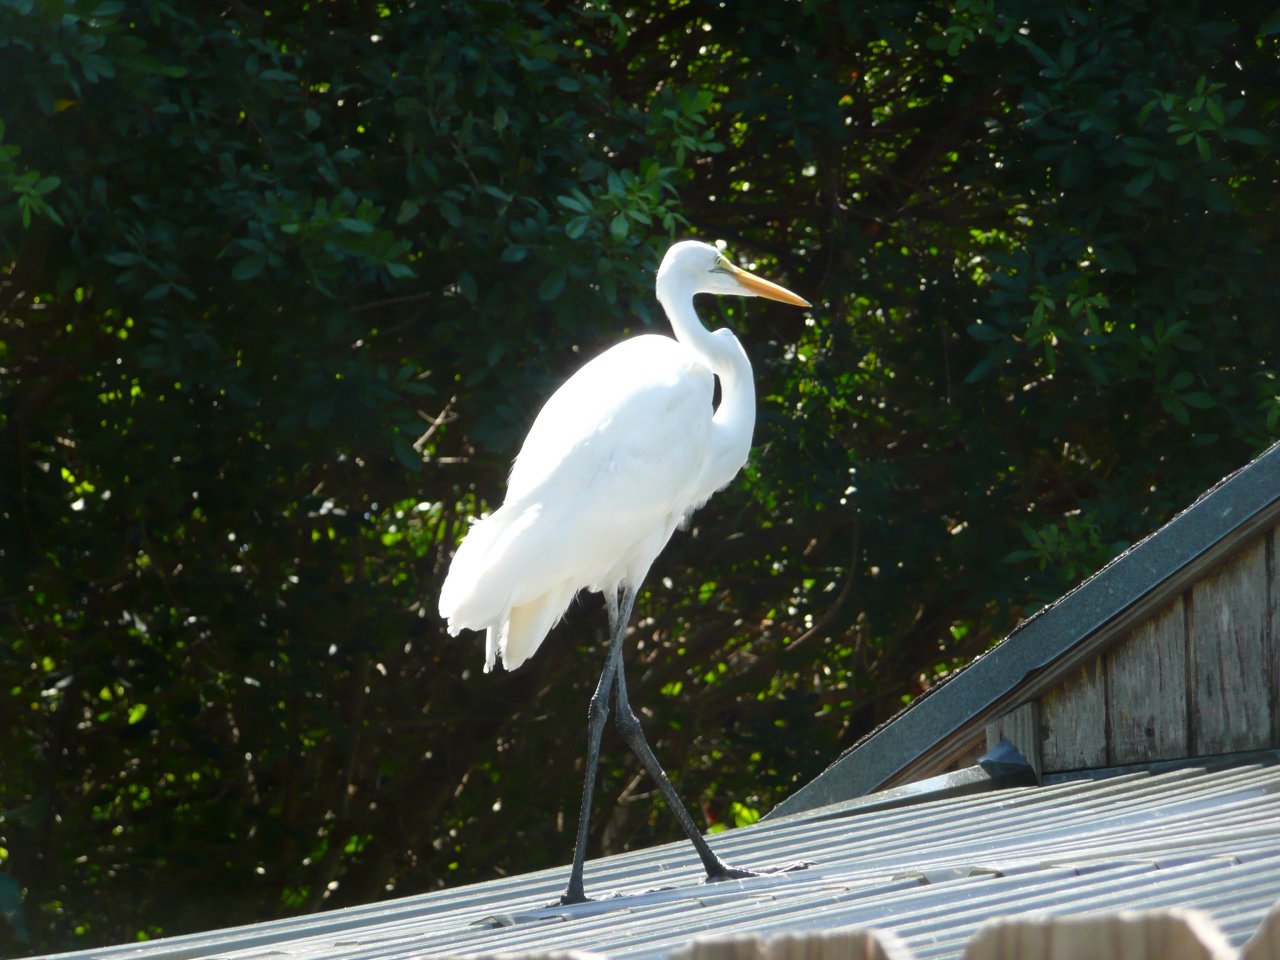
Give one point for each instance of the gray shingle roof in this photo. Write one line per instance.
(931, 870)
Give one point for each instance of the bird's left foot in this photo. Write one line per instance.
(734, 873)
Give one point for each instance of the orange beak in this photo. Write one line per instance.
(767, 288)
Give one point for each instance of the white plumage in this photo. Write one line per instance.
(619, 455)
(609, 468)
(622, 452)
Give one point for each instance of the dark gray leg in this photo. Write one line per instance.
(629, 724)
(597, 714)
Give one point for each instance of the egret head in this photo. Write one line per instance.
(700, 268)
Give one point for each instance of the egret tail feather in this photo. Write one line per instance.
(529, 624)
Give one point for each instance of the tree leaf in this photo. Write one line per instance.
(249, 267)
(552, 285)
(408, 211)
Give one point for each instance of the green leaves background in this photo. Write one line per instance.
(284, 287)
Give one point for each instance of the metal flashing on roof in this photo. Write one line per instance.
(931, 872)
(1041, 648)
(1001, 767)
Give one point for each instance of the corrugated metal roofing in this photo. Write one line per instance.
(931, 872)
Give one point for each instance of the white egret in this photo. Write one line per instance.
(623, 452)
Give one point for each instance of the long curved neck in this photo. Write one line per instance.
(735, 418)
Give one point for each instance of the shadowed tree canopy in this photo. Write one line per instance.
(283, 287)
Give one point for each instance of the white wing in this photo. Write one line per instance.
(614, 460)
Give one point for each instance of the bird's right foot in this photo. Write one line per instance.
(568, 899)
(572, 894)
(726, 872)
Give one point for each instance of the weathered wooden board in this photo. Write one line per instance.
(1131, 935)
(1231, 655)
(1073, 721)
(1273, 634)
(1162, 935)
(1147, 690)
(1265, 942)
(864, 944)
(856, 944)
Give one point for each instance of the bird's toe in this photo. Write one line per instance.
(736, 873)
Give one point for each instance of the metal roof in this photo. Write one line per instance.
(930, 870)
(1036, 654)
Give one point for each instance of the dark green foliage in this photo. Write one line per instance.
(283, 289)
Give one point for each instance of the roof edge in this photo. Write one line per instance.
(1078, 623)
(1002, 767)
